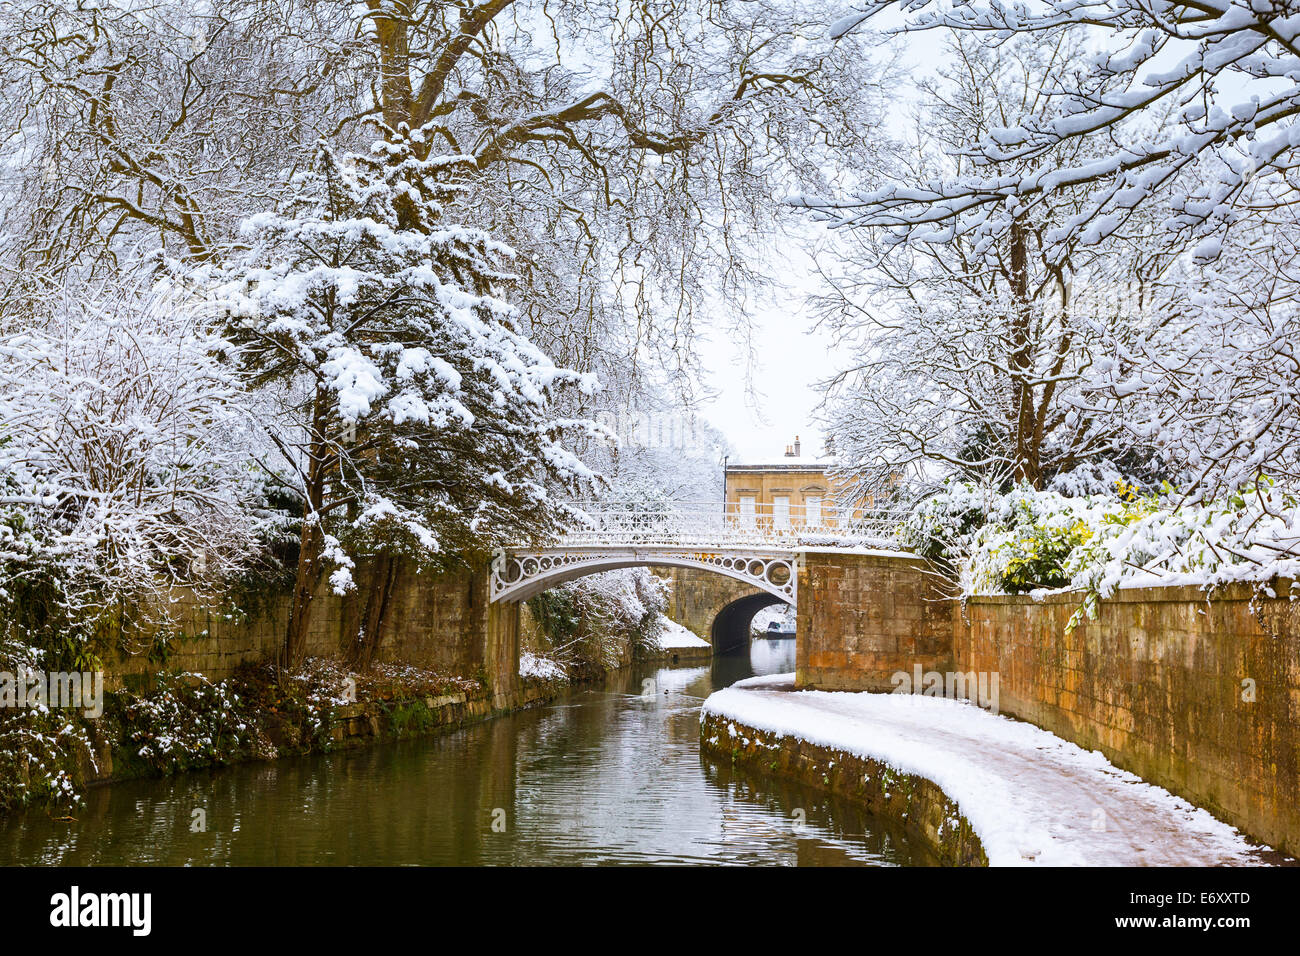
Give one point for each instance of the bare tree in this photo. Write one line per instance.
(971, 350)
(1186, 117)
(630, 155)
(124, 458)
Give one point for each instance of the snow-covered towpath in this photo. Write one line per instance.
(1032, 797)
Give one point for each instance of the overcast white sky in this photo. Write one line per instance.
(791, 356)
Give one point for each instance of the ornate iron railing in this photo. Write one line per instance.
(521, 574)
(713, 524)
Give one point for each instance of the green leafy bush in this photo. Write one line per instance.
(1036, 556)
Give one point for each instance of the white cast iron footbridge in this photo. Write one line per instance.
(760, 549)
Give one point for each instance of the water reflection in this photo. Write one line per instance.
(611, 775)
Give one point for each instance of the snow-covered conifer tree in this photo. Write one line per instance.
(413, 417)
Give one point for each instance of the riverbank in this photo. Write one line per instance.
(913, 802)
(977, 787)
(678, 646)
(187, 722)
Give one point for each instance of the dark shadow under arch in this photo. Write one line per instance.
(730, 629)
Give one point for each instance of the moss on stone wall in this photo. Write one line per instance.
(915, 803)
(174, 723)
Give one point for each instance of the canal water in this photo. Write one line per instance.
(606, 775)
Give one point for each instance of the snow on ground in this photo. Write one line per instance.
(673, 636)
(784, 613)
(543, 668)
(1032, 797)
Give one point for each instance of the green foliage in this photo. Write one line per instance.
(35, 611)
(410, 718)
(187, 722)
(1036, 557)
(557, 615)
(645, 636)
(40, 757)
(1026, 539)
(938, 527)
(42, 750)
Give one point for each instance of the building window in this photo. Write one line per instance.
(812, 509)
(747, 510)
(781, 511)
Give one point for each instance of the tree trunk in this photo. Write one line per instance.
(304, 589)
(1026, 454)
(311, 544)
(368, 640)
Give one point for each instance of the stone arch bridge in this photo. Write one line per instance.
(860, 603)
(694, 535)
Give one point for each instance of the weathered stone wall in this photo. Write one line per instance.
(389, 714)
(501, 651)
(392, 720)
(1160, 683)
(697, 596)
(439, 621)
(531, 637)
(863, 616)
(917, 804)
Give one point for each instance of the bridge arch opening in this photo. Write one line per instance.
(730, 629)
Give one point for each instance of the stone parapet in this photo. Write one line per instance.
(864, 616)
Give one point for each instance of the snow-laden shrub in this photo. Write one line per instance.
(1034, 556)
(1248, 536)
(940, 527)
(1030, 540)
(1099, 477)
(1028, 537)
(125, 468)
(601, 619)
(1098, 543)
(188, 721)
(537, 667)
(128, 435)
(40, 748)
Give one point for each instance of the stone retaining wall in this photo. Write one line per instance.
(1200, 697)
(442, 622)
(391, 717)
(355, 724)
(915, 803)
(696, 597)
(680, 656)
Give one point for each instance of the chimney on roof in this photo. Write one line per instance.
(796, 446)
